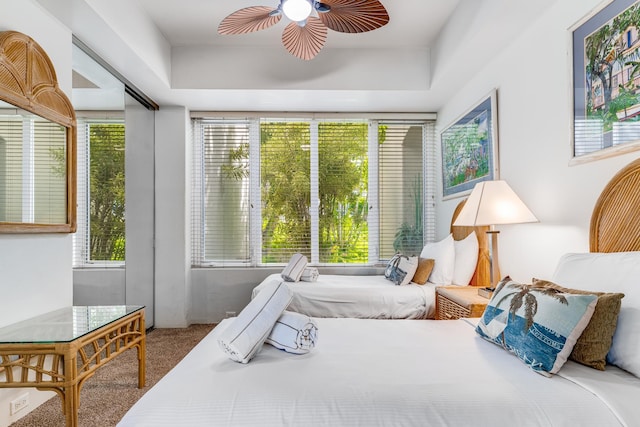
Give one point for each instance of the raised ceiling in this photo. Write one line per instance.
(170, 49)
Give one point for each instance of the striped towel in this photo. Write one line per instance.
(294, 269)
(244, 337)
(294, 333)
(309, 274)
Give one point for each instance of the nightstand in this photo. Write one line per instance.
(454, 302)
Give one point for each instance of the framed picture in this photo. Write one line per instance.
(470, 149)
(606, 82)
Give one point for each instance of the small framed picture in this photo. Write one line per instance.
(470, 148)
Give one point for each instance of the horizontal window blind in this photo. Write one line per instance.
(343, 190)
(338, 191)
(285, 161)
(32, 170)
(400, 188)
(100, 237)
(221, 186)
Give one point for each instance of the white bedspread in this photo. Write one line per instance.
(382, 373)
(366, 297)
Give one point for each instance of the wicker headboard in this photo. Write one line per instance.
(482, 275)
(615, 221)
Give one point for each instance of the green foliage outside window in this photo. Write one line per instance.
(107, 201)
(286, 196)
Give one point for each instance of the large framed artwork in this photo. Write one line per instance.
(606, 82)
(470, 148)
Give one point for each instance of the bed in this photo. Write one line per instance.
(424, 372)
(375, 297)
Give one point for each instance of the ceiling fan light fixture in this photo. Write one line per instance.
(297, 10)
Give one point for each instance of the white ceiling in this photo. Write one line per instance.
(195, 22)
(170, 50)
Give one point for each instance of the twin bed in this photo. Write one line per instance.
(422, 372)
(375, 297)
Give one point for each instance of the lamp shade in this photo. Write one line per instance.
(493, 203)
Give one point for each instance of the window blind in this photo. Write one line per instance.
(401, 188)
(336, 190)
(100, 237)
(221, 188)
(32, 170)
(343, 189)
(285, 176)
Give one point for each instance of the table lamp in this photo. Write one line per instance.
(494, 203)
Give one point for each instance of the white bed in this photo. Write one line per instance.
(373, 296)
(368, 297)
(382, 373)
(424, 372)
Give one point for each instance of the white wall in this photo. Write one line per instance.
(532, 76)
(35, 270)
(172, 184)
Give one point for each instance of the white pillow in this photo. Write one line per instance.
(610, 272)
(444, 255)
(466, 260)
(401, 269)
(244, 337)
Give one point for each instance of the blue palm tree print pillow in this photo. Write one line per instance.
(537, 323)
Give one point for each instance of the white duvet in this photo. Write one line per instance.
(365, 297)
(367, 372)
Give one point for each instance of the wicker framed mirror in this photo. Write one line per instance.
(37, 142)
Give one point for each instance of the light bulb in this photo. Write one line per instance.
(297, 10)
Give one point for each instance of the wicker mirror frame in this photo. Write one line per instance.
(28, 81)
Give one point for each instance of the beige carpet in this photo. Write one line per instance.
(109, 394)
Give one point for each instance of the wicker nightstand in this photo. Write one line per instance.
(454, 302)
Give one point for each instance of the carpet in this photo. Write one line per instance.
(108, 395)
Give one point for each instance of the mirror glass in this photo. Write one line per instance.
(33, 168)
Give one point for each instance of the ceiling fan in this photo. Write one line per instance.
(306, 34)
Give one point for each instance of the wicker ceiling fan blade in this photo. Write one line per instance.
(305, 42)
(354, 16)
(248, 20)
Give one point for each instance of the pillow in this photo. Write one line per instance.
(244, 337)
(593, 345)
(425, 265)
(294, 268)
(466, 259)
(401, 268)
(611, 272)
(443, 254)
(294, 333)
(539, 324)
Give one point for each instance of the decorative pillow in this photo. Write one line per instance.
(294, 333)
(466, 259)
(423, 271)
(444, 255)
(294, 268)
(244, 337)
(613, 272)
(593, 345)
(401, 268)
(539, 324)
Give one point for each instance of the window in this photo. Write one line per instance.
(339, 191)
(32, 170)
(100, 239)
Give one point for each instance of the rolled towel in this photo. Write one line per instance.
(294, 333)
(244, 337)
(294, 269)
(309, 274)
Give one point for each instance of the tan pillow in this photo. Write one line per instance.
(593, 345)
(425, 265)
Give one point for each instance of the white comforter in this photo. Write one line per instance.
(365, 297)
(384, 373)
